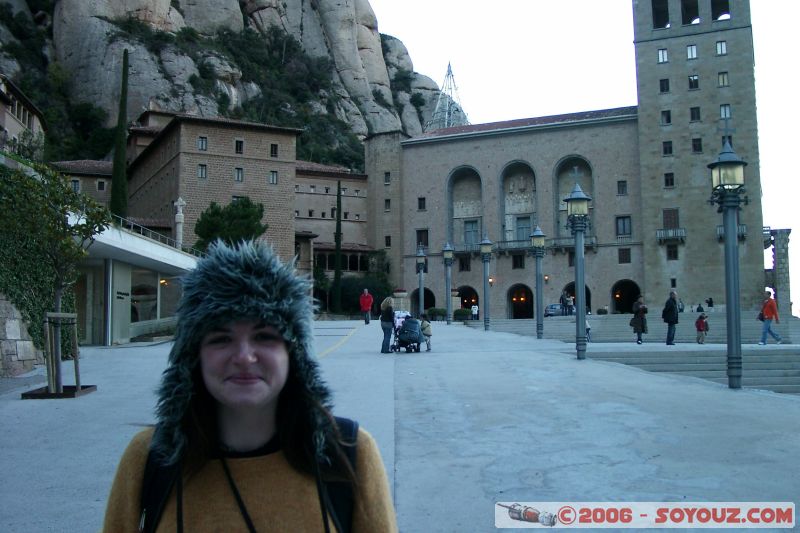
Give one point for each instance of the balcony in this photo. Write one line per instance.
(504, 247)
(567, 244)
(671, 235)
(467, 248)
(741, 232)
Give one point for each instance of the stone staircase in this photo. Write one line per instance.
(775, 368)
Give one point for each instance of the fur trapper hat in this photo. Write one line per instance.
(246, 281)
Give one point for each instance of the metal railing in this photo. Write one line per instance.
(671, 234)
(741, 232)
(467, 248)
(133, 227)
(520, 244)
(569, 242)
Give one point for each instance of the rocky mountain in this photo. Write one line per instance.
(373, 86)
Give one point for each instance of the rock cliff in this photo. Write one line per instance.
(375, 88)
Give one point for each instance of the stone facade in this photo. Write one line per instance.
(17, 352)
(212, 160)
(651, 227)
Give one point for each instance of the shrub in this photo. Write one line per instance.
(462, 314)
(602, 311)
(436, 313)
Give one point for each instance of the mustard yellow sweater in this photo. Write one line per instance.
(278, 497)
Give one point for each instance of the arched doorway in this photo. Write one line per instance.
(429, 301)
(623, 294)
(468, 297)
(520, 301)
(570, 289)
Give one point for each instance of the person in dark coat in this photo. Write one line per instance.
(670, 316)
(639, 320)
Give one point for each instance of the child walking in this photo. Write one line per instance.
(426, 331)
(701, 325)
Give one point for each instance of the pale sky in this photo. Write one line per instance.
(528, 58)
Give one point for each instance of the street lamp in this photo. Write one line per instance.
(421, 274)
(486, 256)
(578, 221)
(447, 253)
(727, 187)
(537, 244)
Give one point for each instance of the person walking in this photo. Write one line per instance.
(769, 312)
(701, 325)
(639, 320)
(387, 323)
(474, 311)
(244, 437)
(563, 302)
(425, 326)
(365, 301)
(670, 316)
(570, 305)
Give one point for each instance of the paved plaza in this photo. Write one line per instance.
(484, 417)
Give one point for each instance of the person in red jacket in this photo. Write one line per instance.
(769, 311)
(366, 305)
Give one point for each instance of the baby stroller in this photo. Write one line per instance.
(407, 333)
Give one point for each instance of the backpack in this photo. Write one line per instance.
(159, 479)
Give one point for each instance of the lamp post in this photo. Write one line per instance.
(486, 256)
(537, 244)
(447, 253)
(421, 274)
(727, 187)
(578, 221)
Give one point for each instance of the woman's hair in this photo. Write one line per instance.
(387, 302)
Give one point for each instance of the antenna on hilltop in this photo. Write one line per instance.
(448, 111)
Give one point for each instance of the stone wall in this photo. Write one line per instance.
(17, 353)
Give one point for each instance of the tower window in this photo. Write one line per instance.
(697, 145)
(202, 143)
(421, 203)
(663, 55)
(273, 177)
(725, 111)
(238, 174)
(517, 261)
(690, 14)
(669, 180)
(387, 204)
(720, 10)
(663, 85)
(202, 171)
(666, 148)
(666, 117)
(660, 14)
(722, 79)
(624, 256)
(238, 146)
(691, 51)
(672, 252)
(722, 48)
(623, 226)
(387, 241)
(622, 188)
(694, 82)
(273, 150)
(694, 114)
(387, 178)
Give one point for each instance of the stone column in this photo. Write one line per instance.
(179, 205)
(780, 272)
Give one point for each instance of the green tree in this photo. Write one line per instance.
(41, 212)
(119, 175)
(240, 220)
(337, 253)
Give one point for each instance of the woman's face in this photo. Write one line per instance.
(244, 365)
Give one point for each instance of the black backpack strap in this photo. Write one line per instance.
(340, 493)
(156, 486)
